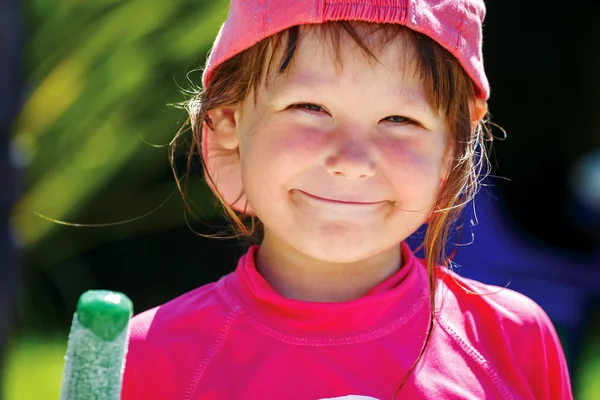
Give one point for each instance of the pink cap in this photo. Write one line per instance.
(454, 24)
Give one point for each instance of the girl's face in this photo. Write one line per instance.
(341, 162)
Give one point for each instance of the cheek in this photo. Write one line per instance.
(273, 157)
(286, 148)
(413, 169)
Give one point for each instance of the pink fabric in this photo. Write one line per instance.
(239, 339)
(454, 24)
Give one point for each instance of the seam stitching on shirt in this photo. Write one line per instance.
(293, 339)
(477, 356)
(226, 297)
(201, 368)
(373, 334)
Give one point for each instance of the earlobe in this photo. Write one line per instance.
(224, 125)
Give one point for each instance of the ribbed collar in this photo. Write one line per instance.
(383, 309)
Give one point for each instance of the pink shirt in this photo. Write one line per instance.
(239, 339)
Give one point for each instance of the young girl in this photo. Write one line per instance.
(340, 127)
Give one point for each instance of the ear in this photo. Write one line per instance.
(224, 123)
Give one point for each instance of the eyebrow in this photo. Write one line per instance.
(416, 98)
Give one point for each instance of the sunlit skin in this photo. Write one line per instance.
(340, 165)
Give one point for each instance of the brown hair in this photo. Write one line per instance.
(449, 89)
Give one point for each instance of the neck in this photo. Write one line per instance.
(297, 276)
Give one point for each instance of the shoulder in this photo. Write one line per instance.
(200, 307)
(502, 304)
(477, 309)
(507, 330)
(168, 343)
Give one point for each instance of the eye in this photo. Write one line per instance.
(306, 106)
(398, 119)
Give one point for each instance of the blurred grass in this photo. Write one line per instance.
(587, 383)
(35, 365)
(34, 368)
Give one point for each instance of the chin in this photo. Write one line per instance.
(344, 248)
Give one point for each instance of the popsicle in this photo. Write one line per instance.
(97, 346)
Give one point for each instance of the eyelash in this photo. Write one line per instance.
(306, 106)
(311, 107)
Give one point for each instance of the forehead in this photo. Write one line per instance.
(326, 55)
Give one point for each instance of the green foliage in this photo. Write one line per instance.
(101, 75)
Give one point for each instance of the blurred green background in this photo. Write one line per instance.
(93, 135)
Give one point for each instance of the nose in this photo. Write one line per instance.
(350, 160)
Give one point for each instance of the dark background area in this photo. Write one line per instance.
(121, 64)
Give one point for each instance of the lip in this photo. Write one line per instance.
(341, 202)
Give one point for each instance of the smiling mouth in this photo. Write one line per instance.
(343, 202)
